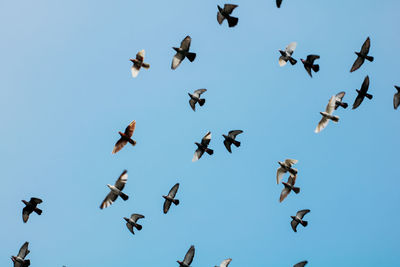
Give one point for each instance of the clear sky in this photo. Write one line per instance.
(66, 91)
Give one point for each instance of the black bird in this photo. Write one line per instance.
(299, 219)
(362, 55)
(188, 258)
(339, 101)
(289, 186)
(278, 3)
(195, 98)
(309, 64)
(225, 13)
(230, 139)
(183, 52)
(396, 97)
(132, 222)
(287, 55)
(170, 198)
(301, 264)
(19, 260)
(30, 207)
(362, 93)
(203, 147)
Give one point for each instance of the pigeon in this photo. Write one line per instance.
(116, 190)
(396, 97)
(30, 207)
(131, 223)
(225, 13)
(188, 258)
(362, 93)
(309, 64)
(284, 168)
(230, 139)
(327, 115)
(362, 56)
(300, 264)
(19, 261)
(299, 219)
(287, 55)
(125, 137)
(339, 101)
(225, 263)
(289, 186)
(170, 198)
(278, 3)
(183, 52)
(138, 63)
(195, 98)
(203, 147)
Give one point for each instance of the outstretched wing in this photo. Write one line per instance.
(167, 205)
(119, 145)
(291, 47)
(312, 58)
(176, 60)
(225, 263)
(173, 190)
(294, 224)
(234, 133)
(396, 100)
(130, 227)
(25, 214)
(206, 139)
(279, 174)
(365, 85)
(365, 47)
(198, 92)
(189, 256)
(301, 213)
(331, 105)
(110, 198)
(185, 44)
(357, 64)
(135, 217)
(130, 128)
(197, 154)
(285, 192)
(228, 8)
(122, 179)
(340, 96)
(322, 124)
(192, 104)
(278, 3)
(35, 200)
(228, 144)
(290, 162)
(301, 264)
(23, 251)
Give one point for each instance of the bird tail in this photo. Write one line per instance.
(26, 263)
(236, 143)
(138, 226)
(315, 67)
(292, 61)
(296, 190)
(176, 202)
(209, 151)
(293, 171)
(304, 223)
(369, 58)
(368, 96)
(344, 105)
(335, 118)
(232, 21)
(191, 56)
(123, 196)
(132, 142)
(146, 65)
(202, 101)
(38, 211)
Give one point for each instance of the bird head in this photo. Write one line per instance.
(126, 219)
(358, 91)
(164, 197)
(283, 53)
(25, 202)
(121, 134)
(219, 8)
(293, 217)
(302, 60)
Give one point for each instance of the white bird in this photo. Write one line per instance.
(225, 263)
(116, 190)
(138, 63)
(327, 115)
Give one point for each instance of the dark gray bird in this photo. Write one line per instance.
(225, 263)
(288, 187)
(203, 147)
(309, 64)
(30, 207)
(339, 101)
(287, 55)
(126, 137)
(138, 63)
(225, 13)
(170, 198)
(362, 93)
(230, 139)
(132, 222)
(396, 97)
(362, 56)
(298, 219)
(19, 260)
(300, 264)
(278, 3)
(284, 168)
(183, 52)
(116, 190)
(188, 258)
(195, 98)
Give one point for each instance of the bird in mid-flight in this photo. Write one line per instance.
(183, 52)
(287, 55)
(300, 264)
(362, 93)
(339, 101)
(188, 258)
(170, 198)
(298, 219)
(225, 13)
(19, 260)
(230, 139)
(309, 64)
(30, 207)
(116, 190)
(125, 137)
(195, 98)
(327, 115)
(138, 63)
(362, 55)
(396, 97)
(288, 187)
(225, 263)
(132, 222)
(285, 167)
(203, 147)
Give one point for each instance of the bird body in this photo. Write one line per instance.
(225, 13)
(298, 219)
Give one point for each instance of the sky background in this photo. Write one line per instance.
(66, 90)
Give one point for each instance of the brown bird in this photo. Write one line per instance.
(125, 137)
(289, 186)
(362, 93)
(362, 55)
(138, 63)
(30, 207)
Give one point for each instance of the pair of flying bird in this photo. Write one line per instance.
(308, 63)
(287, 167)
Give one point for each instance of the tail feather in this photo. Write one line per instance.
(146, 65)
(304, 223)
(176, 202)
(232, 21)
(38, 211)
(344, 105)
(292, 61)
(369, 58)
(123, 196)
(191, 56)
(335, 118)
(296, 190)
(368, 96)
(138, 226)
(236, 143)
(209, 151)
(132, 142)
(202, 101)
(315, 68)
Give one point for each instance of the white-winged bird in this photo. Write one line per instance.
(298, 219)
(362, 93)
(203, 147)
(116, 190)
(225, 13)
(396, 97)
(125, 138)
(183, 52)
(287, 55)
(30, 207)
(309, 64)
(230, 139)
(300, 264)
(362, 55)
(132, 222)
(225, 263)
(188, 258)
(195, 98)
(339, 101)
(327, 115)
(285, 167)
(19, 260)
(170, 198)
(288, 187)
(138, 63)
(278, 3)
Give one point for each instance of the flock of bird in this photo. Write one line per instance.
(285, 167)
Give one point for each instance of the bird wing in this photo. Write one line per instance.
(225, 263)
(135, 217)
(185, 44)
(140, 55)
(282, 61)
(25, 214)
(279, 174)
(135, 70)
(365, 85)
(234, 133)
(130, 227)
(192, 104)
(110, 198)
(396, 100)
(308, 69)
(358, 101)
(197, 154)
(339, 96)
(176, 60)
(365, 47)
(285, 192)
(119, 145)
(198, 92)
(312, 58)
(301, 213)
(278, 3)
(35, 200)
(228, 144)
(122, 179)
(228, 8)
(322, 124)
(130, 128)
(206, 139)
(301, 264)
(173, 190)
(357, 64)
(23, 251)
(220, 18)
(291, 47)
(290, 162)
(189, 256)
(331, 105)
(294, 224)
(167, 205)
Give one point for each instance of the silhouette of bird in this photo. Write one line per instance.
(309, 64)
(19, 260)
(125, 137)
(116, 190)
(285, 167)
(339, 101)
(230, 139)
(287, 55)
(301, 264)
(362, 55)
(225, 263)
(138, 63)
(225, 13)
(396, 97)
(30, 207)
(288, 187)
(278, 3)
(327, 115)
(132, 222)
(362, 93)
(170, 198)
(195, 98)
(298, 219)
(188, 258)
(183, 52)
(203, 147)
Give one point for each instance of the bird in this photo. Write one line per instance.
(285, 167)
(30, 207)
(396, 97)
(362, 93)
(300, 264)
(278, 3)
(288, 187)
(299, 219)
(125, 137)
(138, 63)
(309, 64)
(230, 139)
(188, 258)
(327, 115)
(225, 263)
(183, 52)
(362, 55)
(132, 222)
(19, 260)
(339, 101)
(195, 98)
(225, 13)
(116, 190)
(170, 198)
(287, 55)
(203, 147)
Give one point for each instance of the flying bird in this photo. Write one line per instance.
(19, 260)
(288, 187)
(285, 167)
(125, 137)
(116, 190)
(132, 222)
(278, 3)
(362, 55)
(225, 263)
(138, 63)
(396, 97)
(327, 115)
(309, 64)
(188, 258)
(287, 55)
(30, 207)
(195, 98)
(203, 147)
(299, 219)
(362, 93)
(230, 139)
(225, 13)
(183, 52)
(300, 264)
(339, 101)
(170, 198)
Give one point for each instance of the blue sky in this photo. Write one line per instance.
(66, 90)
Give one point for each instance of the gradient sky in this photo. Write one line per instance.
(66, 91)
